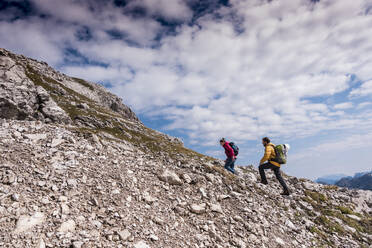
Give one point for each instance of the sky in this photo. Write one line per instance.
(297, 71)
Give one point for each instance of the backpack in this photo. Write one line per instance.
(235, 148)
(281, 154)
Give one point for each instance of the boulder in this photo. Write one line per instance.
(170, 177)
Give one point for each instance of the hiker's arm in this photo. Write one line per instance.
(266, 156)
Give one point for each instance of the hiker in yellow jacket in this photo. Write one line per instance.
(269, 156)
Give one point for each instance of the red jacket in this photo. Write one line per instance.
(228, 150)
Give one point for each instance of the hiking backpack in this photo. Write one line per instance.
(235, 148)
(281, 153)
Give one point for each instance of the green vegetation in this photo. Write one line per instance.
(318, 197)
(364, 225)
(84, 83)
(38, 79)
(329, 225)
(345, 210)
(322, 235)
(52, 85)
(330, 187)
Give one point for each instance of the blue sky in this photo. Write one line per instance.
(298, 71)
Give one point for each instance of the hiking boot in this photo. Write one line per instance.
(285, 192)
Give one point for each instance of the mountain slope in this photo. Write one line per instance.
(77, 172)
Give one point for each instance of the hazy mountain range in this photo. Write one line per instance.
(360, 180)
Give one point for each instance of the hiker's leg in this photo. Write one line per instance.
(227, 164)
(280, 178)
(232, 166)
(262, 168)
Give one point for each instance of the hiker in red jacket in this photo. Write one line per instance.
(230, 160)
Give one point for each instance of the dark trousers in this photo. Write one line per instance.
(229, 165)
(276, 170)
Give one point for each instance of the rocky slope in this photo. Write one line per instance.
(77, 172)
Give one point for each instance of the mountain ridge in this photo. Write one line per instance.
(359, 181)
(330, 179)
(76, 171)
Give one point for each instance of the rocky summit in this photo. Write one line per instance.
(78, 169)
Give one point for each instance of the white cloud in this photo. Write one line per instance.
(99, 73)
(254, 83)
(100, 16)
(343, 144)
(363, 105)
(364, 90)
(174, 10)
(35, 39)
(344, 105)
(212, 81)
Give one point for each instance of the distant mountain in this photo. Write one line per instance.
(359, 181)
(330, 179)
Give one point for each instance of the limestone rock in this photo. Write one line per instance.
(26, 223)
(41, 244)
(141, 244)
(170, 177)
(216, 208)
(198, 208)
(124, 234)
(67, 226)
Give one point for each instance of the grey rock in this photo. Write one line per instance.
(141, 244)
(153, 237)
(216, 208)
(77, 244)
(279, 241)
(187, 178)
(198, 208)
(170, 177)
(15, 197)
(67, 226)
(56, 142)
(41, 244)
(124, 234)
(354, 217)
(26, 223)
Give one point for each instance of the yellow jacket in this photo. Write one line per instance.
(269, 154)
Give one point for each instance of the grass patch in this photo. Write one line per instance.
(329, 225)
(84, 83)
(318, 197)
(64, 102)
(331, 187)
(79, 97)
(51, 85)
(322, 235)
(345, 210)
(314, 229)
(364, 225)
(38, 80)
